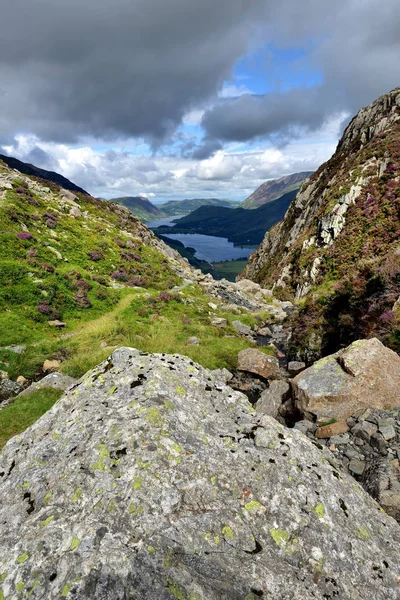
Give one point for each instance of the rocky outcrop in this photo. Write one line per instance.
(152, 479)
(54, 381)
(338, 245)
(364, 375)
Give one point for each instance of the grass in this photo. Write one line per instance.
(229, 269)
(24, 411)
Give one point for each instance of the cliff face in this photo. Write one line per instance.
(337, 249)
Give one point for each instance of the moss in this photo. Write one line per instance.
(77, 495)
(227, 532)
(253, 506)
(180, 390)
(176, 590)
(154, 417)
(320, 511)
(20, 586)
(363, 533)
(66, 589)
(137, 483)
(75, 543)
(47, 521)
(22, 558)
(280, 536)
(151, 550)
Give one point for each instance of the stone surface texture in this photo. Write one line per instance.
(364, 375)
(153, 480)
(272, 398)
(55, 381)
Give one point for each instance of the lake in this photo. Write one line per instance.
(209, 248)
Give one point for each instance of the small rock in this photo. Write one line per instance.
(8, 389)
(378, 442)
(241, 328)
(305, 426)
(193, 341)
(212, 306)
(4, 375)
(218, 322)
(15, 348)
(386, 428)
(22, 380)
(340, 439)
(75, 212)
(272, 398)
(328, 431)
(51, 365)
(254, 361)
(351, 453)
(57, 323)
(264, 332)
(364, 430)
(295, 367)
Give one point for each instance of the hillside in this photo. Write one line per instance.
(275, 188)
(28, 169)
(240, 226)
(79, 276)
(183, 207)
(337, 251)
(141, 207)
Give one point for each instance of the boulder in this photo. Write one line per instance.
(272, 398)
(193, 341)
(364, 375)
(241, 328)
(57, 323)
(152, 480)
(55, 381)
(255, 361)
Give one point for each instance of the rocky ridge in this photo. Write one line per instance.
(337, 248)
(153, 479)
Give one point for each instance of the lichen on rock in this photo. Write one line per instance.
(154, 494)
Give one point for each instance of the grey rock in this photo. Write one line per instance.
(55, 381)
(305, 426)
(219, 322)
(8, 389)
(364, 430)
(386, 428)
(15, 348)
(342, 438)
(357, 466)
(193, 341)
(378, 443)
(272, 398)
(241, 328)
(151, 483)
(295, 367)
(264, 332)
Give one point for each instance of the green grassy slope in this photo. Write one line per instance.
(141, 207)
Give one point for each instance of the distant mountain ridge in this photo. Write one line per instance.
(239, 225)
(141, 207)
(183, 207)
(32, 170)
(275, 188)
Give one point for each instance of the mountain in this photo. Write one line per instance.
(337, 251)
(183, 207)
(141, 207)
(273, 189)
(28, 169)
(240, 226)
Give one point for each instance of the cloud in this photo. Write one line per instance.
(116, 68)
(354, 45)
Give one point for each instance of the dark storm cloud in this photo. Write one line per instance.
(356, 48)
(109, 68)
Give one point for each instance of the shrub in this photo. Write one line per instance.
(24, 236)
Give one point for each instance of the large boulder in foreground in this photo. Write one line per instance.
(153, 480)
(364, 375)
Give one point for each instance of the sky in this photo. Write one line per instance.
(175, 99)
